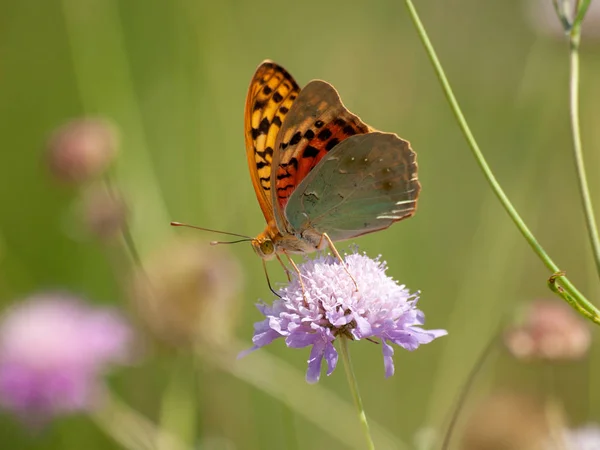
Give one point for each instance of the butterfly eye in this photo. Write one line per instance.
(267, 247)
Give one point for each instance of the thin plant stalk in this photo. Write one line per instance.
(566, 290)
(590, 219)
(128, 427)
(128, 240)
(178, 411)
(352, 382)
(285, 384)
(464, 391)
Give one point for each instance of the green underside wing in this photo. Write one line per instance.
(364, 184)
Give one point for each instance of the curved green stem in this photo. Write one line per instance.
(352, 382)
(569, 289)
(574, 39)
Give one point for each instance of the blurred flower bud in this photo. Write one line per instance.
(104, 213)
(53, 351)
(189, 292)
(506, 421)
(550, 330)
(82, 149)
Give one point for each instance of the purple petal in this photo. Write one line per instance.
(363, 328)
(301, 340)
(413, 337)
(265, 338)
(246, 352)
(314, 362)
(331, 356)
(388, 361)
(338, 318)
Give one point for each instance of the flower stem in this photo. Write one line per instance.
(126, 230)
(129, 428)
(574, 40)
(285, 384)
(355, 392)
(567, 291)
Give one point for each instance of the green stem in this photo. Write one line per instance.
(129, 428)
(464, 391)
(574, 39)
(559, 7)
(178, 412)
(582, 7)
(569, 289)
(355, 392)
(126, 229)
(284, 383)
(289, 430)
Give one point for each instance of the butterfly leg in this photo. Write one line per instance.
(287, 271)
(338, 256)
(299, 277)
(268, 280)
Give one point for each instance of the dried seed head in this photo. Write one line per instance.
(188, 292)
(506, 421)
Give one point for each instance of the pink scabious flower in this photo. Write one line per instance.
(330, 306)
(53, 350)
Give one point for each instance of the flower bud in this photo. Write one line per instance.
(81, 149)
(104, 213)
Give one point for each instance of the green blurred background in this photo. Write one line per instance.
(173, 76)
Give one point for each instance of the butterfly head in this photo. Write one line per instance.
(264, 246)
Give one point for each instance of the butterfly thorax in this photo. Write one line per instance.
(271, 241)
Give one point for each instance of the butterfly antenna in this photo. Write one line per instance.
(229, 242)
(246, 238)
(269, 281)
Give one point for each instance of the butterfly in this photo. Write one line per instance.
(320, 174)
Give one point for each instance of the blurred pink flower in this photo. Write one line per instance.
(550, 330)
(53, 351)
(82, 149)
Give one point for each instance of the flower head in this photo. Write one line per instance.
(506, 419)
(188, 292)
(329, 306)
(549, 330)
(53, 349)
(104, 213)
(82, 149)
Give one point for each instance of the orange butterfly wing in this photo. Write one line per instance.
(270, 97)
